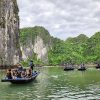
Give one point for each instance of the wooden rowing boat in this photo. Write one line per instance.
(21, 80)
(68, 68)
(82, 69)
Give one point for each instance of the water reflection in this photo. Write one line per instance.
(54, 83)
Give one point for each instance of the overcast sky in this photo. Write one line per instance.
(62, 18)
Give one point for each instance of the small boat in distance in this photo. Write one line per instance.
(98, 66)
(21, 80)
(82, 67)
(69, 67)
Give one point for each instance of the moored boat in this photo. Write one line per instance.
(98, 66)
(21, 80)
(82, 69)
(68, 68)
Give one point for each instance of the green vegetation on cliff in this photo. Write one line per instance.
(80, 49)
(74, 50)
(57, 53)
(92, 50)
(69, 51)
(31, 33)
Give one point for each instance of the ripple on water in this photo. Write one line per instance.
(56, 84)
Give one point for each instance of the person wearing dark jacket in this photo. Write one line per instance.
(31, 64)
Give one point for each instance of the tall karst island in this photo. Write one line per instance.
(10, 52)
(20, 44)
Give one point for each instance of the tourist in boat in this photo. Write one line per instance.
(23, 73)
(29, 73)
(19, 67)
(82, 65)
(9, 75)
(31, 64)
(14, 73)
(19, 74)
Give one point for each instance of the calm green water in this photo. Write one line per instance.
(55, 84)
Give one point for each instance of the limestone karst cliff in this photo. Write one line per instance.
(9, 33)
(35, 41)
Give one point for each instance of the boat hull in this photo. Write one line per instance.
(82, 69)
(68, 69)
(97, 67)
(21, 80)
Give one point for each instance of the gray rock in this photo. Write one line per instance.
(10, 52)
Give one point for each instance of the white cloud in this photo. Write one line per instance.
(62, 18)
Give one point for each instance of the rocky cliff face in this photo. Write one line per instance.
(35, 43)
(9, 33)
(39, 48)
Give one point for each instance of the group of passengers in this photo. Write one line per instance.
(19, 72)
